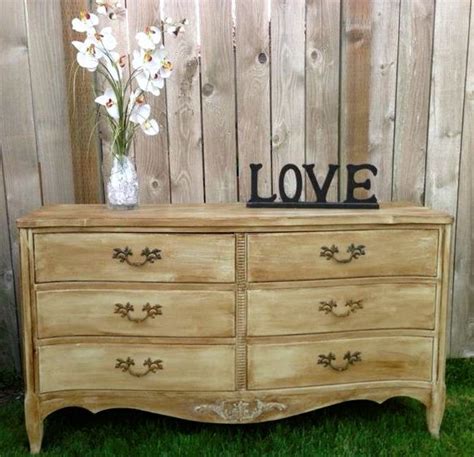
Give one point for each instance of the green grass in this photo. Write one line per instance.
(362, 428)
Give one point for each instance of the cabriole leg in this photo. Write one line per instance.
(34, 423)
(435, 411)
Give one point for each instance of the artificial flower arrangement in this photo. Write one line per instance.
(124, 100)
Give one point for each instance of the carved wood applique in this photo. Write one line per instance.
(239, 411)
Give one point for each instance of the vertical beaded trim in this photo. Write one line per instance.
(241, 312)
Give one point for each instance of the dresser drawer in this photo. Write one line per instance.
(136, 367)
(274, 366)
(342, 254)
(341, 308)
(134, 257)
(179, 313)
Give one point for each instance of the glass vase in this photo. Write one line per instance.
(122, 184)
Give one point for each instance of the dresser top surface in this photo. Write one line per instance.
(225, 215)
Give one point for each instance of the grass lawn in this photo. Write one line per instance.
(359, 428)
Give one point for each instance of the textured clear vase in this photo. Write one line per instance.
(122, 184)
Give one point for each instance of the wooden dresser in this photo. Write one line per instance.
(218, 313)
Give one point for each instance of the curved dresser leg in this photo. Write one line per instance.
(435, 411)
(34, 423)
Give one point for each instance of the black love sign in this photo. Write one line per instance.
(320, 188)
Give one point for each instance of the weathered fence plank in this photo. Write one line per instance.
(253, 94)
(184, 107)
(446, 107)
(49, 93)
(287, 88)
(383, 78)
(17, 140)
(151, 151)
(82, 120)
(462, 329)
(218, 101)
(356, 42)
(322, 88)
(413, 95)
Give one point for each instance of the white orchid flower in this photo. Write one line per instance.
(152, 83)
(109, 100)
(88, 55)
(174, 28)
(149, 38)
(86, 22)
(150, 127)
(138, 110)
(148, 60)
(110, 8)
(103, 39)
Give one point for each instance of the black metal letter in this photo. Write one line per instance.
(299, 183)
(321, 192)
(352, 184)
(254, 197)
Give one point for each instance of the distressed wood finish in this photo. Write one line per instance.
(218, 101)
(341, 308)
(287, 72)
(193, 335)
(151, 151)
(413, 98)
(89, 257)
(100, 311)
(283, 365)
(184, 108)
(284, 257)
(322, 88)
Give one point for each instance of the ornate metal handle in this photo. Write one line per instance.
(127, 364)
(125, 310)
(354, 252)
(330, 307)
(150, 255)
(350, 358)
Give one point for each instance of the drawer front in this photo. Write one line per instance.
(341, 308)
(318, 255)
(180, 313)
(275, 366)
(134, 257)
(133, 367)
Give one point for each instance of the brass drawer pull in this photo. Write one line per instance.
(350, 358)
(126, 366)
(125, 310)
(354, 252)
(150, 255)
(330, 307)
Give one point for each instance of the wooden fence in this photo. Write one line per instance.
(390, 82)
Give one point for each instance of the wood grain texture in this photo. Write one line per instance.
(92, 366)
(9, 338)
(184, 258)
(322, 89)
(85, 146)
(218, 100)
(253, 94)
(380, 306)
(356, 44)
(288, 88)
(91, 311)
(413, 96)
(184, 107)
(49, 92)
(382, 359)
(297, 256)
(447, 97)
(383, 79)
(151, 152)
(462, 329)
(20, 168)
